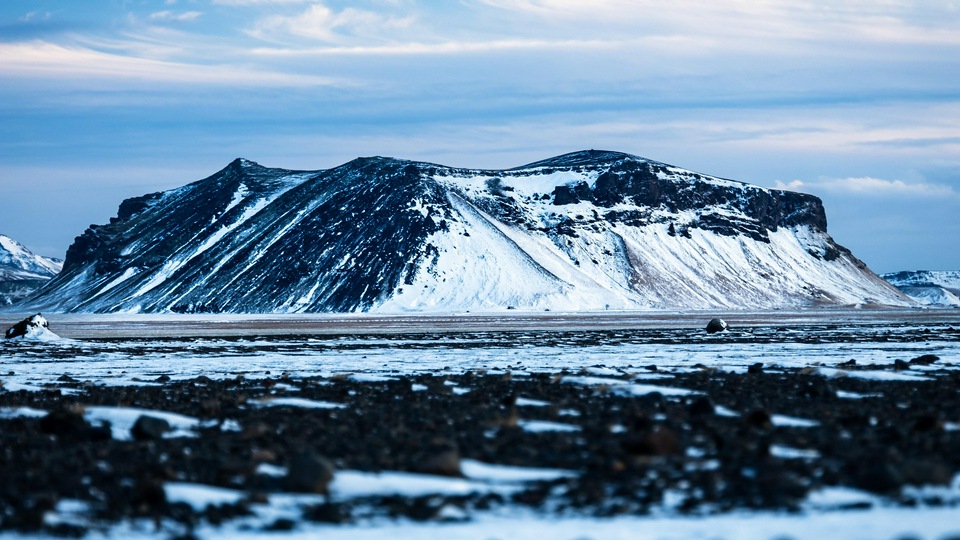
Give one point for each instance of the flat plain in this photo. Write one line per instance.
(795, 424)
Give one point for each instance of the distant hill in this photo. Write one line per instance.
(22, 271)
(932, 288)
(590, 230)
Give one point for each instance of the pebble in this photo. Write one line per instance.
(310, 473)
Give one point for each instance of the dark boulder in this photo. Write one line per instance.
(925, 360)
(717, 325)
(309, 473)
(148, 428)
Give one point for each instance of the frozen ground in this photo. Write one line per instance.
(615, 351)
(132, 349)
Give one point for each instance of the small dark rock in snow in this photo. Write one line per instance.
(66, 378)
(921, 472)
(900, 365)
(925, 360)
(717, 325)
(309, 473)
(65, 422)
(878, 474)
(328, 513)
(148, 428)
(760, 418)
(702, 406)
(755, 369)
(444, 460)
(660, 442)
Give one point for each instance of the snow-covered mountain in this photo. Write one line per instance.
(590, 230)
(932, 288)
(22, 271)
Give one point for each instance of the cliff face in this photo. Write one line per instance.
(584, 231)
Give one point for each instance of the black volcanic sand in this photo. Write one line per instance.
(629, 455)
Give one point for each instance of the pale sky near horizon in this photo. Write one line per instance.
(856, 101)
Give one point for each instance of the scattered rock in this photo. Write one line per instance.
(655, 444)
(701, 406)
(328, 513)
(927, 422)
(444, 460)
(65, 421)
(148, 428)
(755, 369)
(877, 474)
(309, 473)
(149, 497)
(926, 472)
(900, 365)
(717, 325)
(925, 360)
(661, 441)
(759, 418)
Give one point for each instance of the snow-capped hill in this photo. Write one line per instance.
(18, 262)
(932, 288)
(22, 271)
(585, 231)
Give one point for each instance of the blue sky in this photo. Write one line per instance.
(855, 101)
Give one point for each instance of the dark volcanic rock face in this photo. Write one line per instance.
(589, 230)
(647, 184)
(288, 232)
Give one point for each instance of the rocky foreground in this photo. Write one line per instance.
(593, 442)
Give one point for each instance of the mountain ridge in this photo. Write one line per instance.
(929, 287)
(586, 230)
(22, 271)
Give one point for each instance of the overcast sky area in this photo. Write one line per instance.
(857, 101)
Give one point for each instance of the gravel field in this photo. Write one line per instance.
(503, 426)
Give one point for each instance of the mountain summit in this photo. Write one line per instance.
(590, 230)
(22, 271)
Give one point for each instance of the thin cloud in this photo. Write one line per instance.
(257, 2)
(49, 60)
(442, 48)
(866, 185)
(881, 22)
(319, 22)
(171, 16)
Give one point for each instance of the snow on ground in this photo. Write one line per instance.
(122, 419)
(817, 522)
(614, 359)
(376, 357)
(297, 402)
